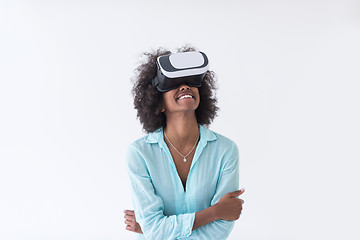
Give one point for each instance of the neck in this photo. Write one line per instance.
(182, 130)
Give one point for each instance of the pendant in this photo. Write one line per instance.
(184, 159)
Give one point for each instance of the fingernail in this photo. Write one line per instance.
(243, 189)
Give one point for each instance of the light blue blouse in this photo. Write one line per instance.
(162, 207)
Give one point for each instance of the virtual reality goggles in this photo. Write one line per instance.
(178, 68)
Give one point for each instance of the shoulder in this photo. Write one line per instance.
(222, 145)
(136, 155)
(142, 151)
(144, 145)
(138, 144)
(224, 141)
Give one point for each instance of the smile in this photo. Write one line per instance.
(185, 96)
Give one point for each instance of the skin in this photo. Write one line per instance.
(182, 130)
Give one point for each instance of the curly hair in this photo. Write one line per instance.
(148, 100)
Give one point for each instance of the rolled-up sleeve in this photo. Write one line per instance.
(228, 181)
(148, 207)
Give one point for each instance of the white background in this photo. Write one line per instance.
(288, 78)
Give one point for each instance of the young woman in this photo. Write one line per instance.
(184, 177)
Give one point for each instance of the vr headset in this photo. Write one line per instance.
(178, 68)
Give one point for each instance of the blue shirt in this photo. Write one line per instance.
(162, 207)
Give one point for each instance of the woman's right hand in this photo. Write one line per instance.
(130, 222)
(229, 207)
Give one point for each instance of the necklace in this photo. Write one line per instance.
(178, 151)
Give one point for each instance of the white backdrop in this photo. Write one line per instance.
(288, 78)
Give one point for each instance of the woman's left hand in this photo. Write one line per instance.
(130, 221)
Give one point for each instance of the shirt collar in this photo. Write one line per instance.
(205, 135)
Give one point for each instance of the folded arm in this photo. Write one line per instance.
(228, 182)
(149, 208)
(204, 224)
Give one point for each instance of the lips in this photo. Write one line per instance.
(185, 94)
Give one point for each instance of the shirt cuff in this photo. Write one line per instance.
(187, 224)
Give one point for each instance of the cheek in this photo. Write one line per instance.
(196, 91)
(167, 98)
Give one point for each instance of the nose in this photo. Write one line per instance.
(183, 87)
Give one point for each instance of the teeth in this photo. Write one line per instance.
(185, 96)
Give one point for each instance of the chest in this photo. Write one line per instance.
(182, 167)
(183, 189)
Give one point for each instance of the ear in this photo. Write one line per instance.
(162, 107)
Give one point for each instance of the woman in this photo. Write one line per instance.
(184, 177)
